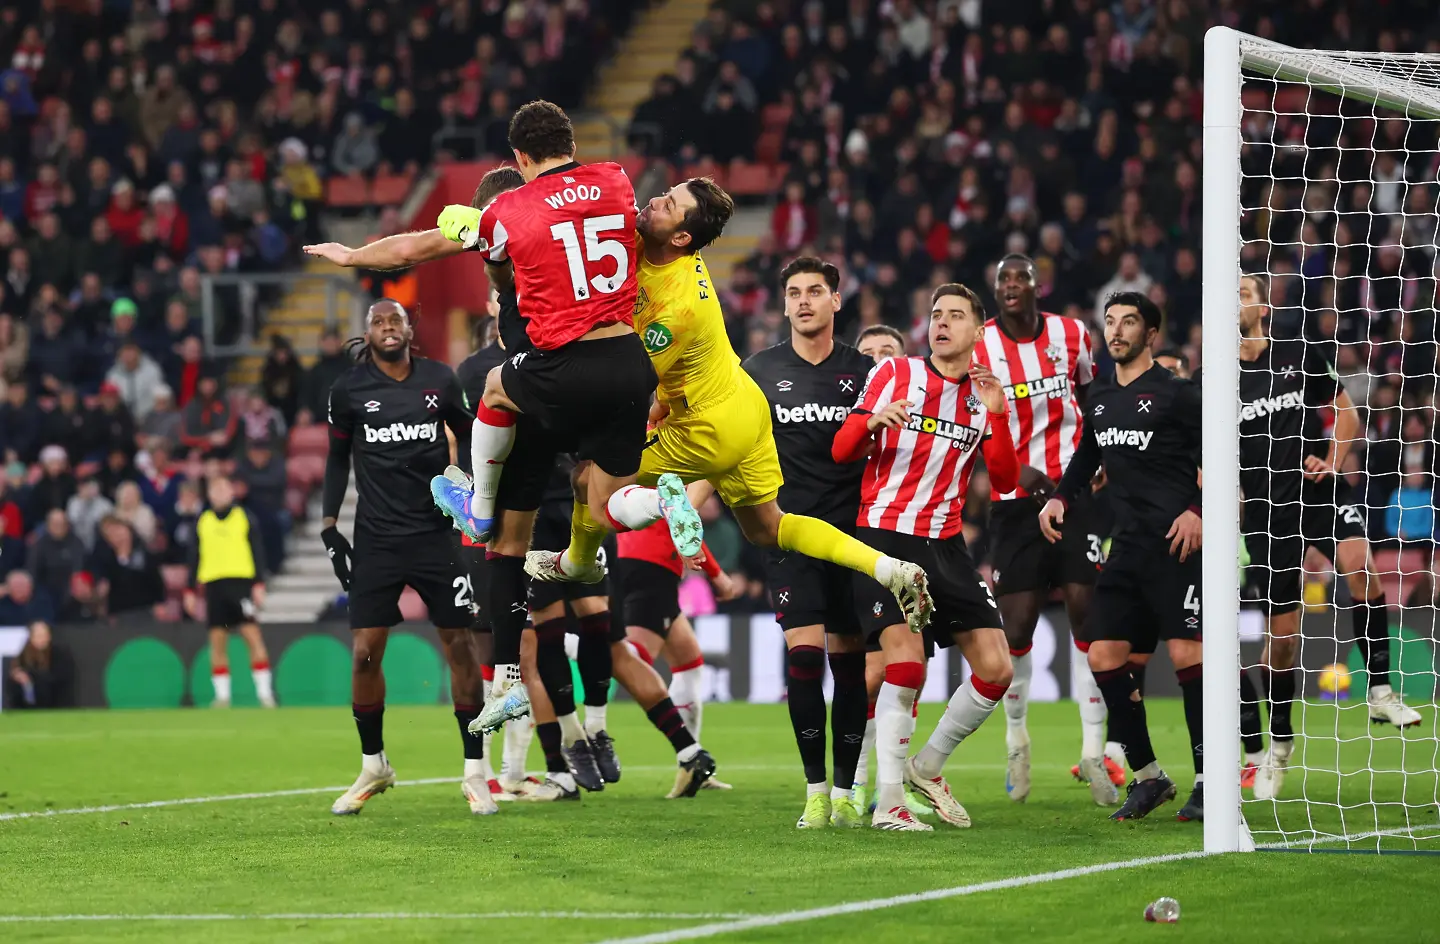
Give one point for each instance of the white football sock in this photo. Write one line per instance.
(1017, 702)
(635, 507)
(374, 763)
(1092, 712)
(476, 767)
(685, 693)
(489, 446)
(1254, 757)
(839, 793)
(894, 726)
(813, 788)
(264, 684)
(686, 753)
(485, 738)
(595, 719)
(967, 710)
(507, 675)
(220, 681)
(517, 746)
(862, 767)
(570, 728)
(565, 778)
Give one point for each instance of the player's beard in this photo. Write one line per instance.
(391, 356)
(1131, 352)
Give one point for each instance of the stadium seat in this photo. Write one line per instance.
(633, 165)
(391, 189)
(707, 168)
(311, 440)
(775, 117)
(750, 180)
(304, 471)
(347, 192)
(767, 149)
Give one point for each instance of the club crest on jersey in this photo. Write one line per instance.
(846, 383)
(432, 400)
(961, 436)
(1054, 354)
(642, 302)
(972, 403)
(1143, 402)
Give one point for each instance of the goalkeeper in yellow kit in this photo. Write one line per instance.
(712, 421)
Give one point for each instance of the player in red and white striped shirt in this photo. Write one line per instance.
(922, 421)
(1044, 362)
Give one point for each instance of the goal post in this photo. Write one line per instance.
(1351, 788)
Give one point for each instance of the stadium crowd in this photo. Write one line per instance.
(145, 144)
(921, 142)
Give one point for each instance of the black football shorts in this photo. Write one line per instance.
(384, 565)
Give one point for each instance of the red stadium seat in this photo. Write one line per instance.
(304, 472)
(750, 180)
(775, 117)
(633, 165)
(767, 149)
(311, 440)
(391, 189)
(706, 168)
(342, 192)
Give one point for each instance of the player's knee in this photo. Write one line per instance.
(365, 659)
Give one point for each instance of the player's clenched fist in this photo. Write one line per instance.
(1051, 517)
(459, 224)
(894, 416)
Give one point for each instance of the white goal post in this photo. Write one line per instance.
(1402, 86)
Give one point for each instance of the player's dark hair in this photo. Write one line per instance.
(1016, 257)
(977, 307)
(541, 131)
(713, 209)
(1262, 285)
(358, 349)
(494, 183)
(480, 332)
(810, 265)
(1149, 311)
(1176, 354)
(885, 329)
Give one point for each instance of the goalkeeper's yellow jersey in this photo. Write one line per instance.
(678, 316)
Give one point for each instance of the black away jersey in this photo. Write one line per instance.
(808, 405)
(1147, 434)
(397, 444)
(1279, 392)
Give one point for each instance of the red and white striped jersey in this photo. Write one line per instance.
(1040, 377)
(915, 482)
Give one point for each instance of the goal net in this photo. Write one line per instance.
(1320, 176)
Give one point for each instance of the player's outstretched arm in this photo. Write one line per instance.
(393, 252)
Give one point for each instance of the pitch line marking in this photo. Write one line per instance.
(307, 791)
(877, 904)
(384, 915)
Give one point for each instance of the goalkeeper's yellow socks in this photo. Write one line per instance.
(823, 541)
(586, 536)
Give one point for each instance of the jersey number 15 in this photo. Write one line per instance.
(596, 250)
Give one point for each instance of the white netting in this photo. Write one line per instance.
(1339, 211)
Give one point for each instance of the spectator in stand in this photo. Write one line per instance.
(113, 426)
(180, 523)
(56, 556)
(130, 507)
(101, 253)
(172, 225)
(19, 425)
(260, 423)
(86, 510)
(136, 377)
(64, 421)
(260, 473)
(162, 425)
(14, 349)
(53, 253)
(281, 378)
(42, 675)
(1129, 277)
(90, 306)
(56, 353)
(125, 215)
(207, 424)
(794, 222)
(21, 603)
(188, 371)
(1410, 513)
(55, 485)
(127, 574)
(354, 152)
(332, 362)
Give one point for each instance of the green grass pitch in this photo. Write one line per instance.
(417, 851)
